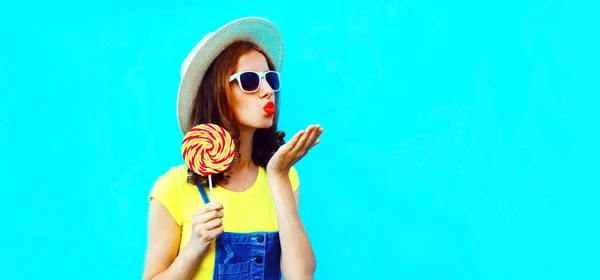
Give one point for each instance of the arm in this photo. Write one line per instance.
(297, 256)
(297, 197)
(162, 258)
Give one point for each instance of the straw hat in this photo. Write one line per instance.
(253, 29)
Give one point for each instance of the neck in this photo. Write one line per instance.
(245, 149)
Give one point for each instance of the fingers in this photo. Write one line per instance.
(212, 224)
(314, 136)
(207, 222)
(211, 206)
(208, 216)
(206, 213)
(316, 142)
(211, 234)
(298, 148)
(207, 231)
(294, 141)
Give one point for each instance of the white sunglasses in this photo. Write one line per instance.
(250, 81)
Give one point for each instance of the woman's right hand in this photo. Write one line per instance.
(206, 225)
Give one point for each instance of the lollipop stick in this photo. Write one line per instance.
(210, 187)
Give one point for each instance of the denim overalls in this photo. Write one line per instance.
(248, 256)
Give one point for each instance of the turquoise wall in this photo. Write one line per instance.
(462, 138)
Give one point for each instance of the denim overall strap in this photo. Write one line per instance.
(202, 192)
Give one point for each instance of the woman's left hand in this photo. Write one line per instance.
(294, 150)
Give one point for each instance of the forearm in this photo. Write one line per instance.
(183, 267)
(297, 256)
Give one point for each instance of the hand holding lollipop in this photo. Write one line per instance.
(208, 149)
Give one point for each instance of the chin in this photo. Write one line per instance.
(266, 124)
(260, 124)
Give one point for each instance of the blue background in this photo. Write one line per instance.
(461, 138)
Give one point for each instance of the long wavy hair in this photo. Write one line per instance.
(213, 104)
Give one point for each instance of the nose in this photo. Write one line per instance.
(265, 90)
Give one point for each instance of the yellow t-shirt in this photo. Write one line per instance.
(248, 211)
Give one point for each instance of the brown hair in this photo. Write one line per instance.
(213, 104)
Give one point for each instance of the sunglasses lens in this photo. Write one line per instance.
(249, 81)
(273, 80)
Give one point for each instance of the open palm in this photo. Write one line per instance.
(294, 150)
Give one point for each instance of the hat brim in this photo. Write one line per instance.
(256, 30)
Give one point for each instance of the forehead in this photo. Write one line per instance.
(252, 60)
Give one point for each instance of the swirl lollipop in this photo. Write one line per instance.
(208, 149)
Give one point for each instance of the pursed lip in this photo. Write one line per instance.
(269, 108)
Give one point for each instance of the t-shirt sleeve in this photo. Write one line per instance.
(167, 190)
(294, 178)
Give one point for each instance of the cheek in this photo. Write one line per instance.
(240, 111)
(241, 102)
(238, 100)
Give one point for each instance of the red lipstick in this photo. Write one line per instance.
(269, 108)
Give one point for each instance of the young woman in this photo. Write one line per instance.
(252, 229)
